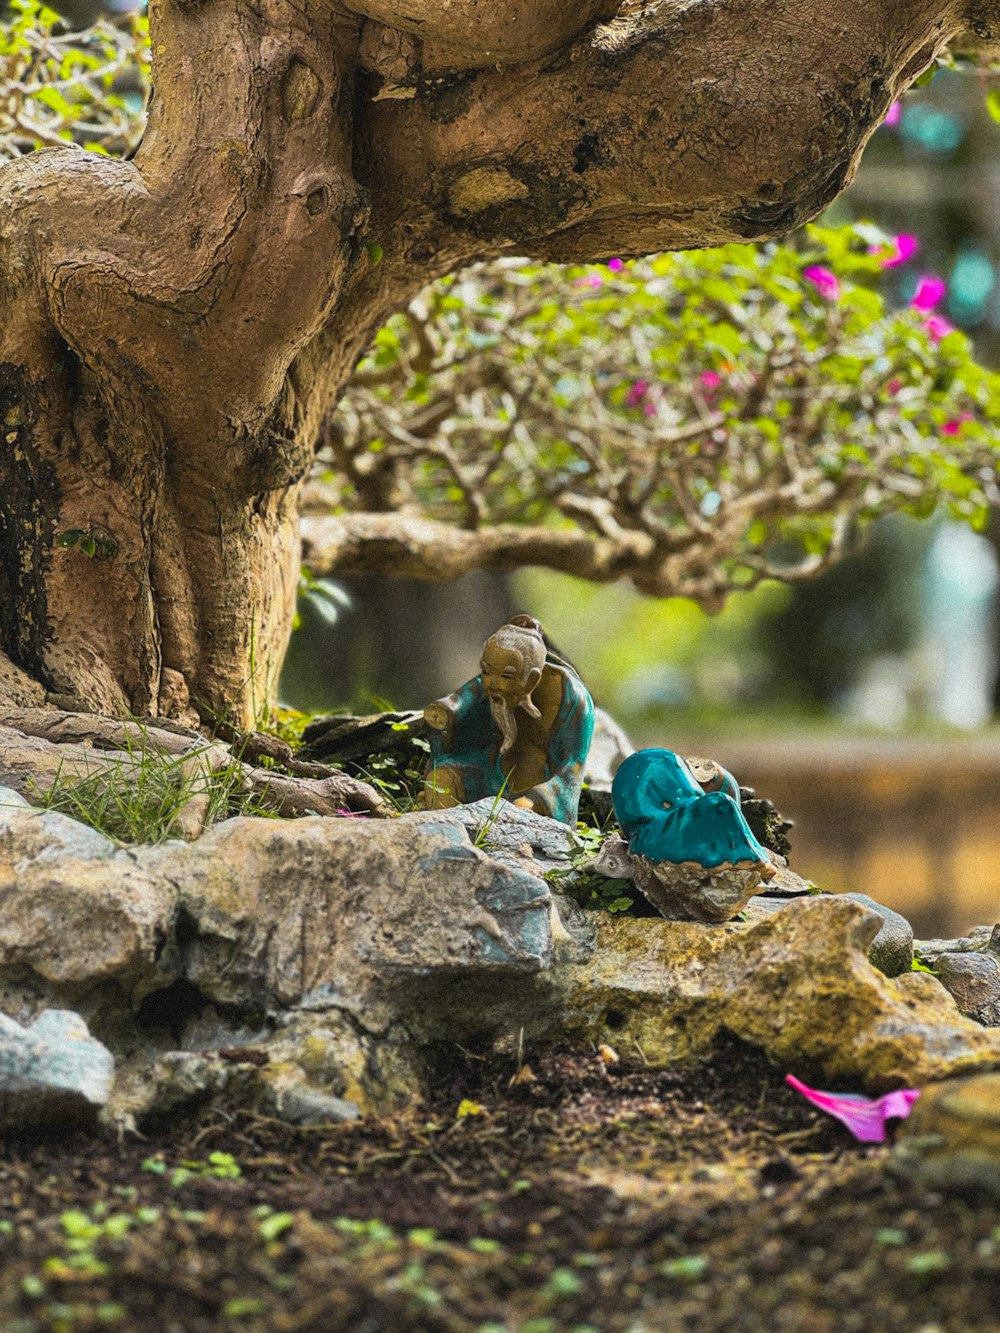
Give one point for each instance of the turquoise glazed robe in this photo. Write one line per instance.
(475, 752)
(667, 816)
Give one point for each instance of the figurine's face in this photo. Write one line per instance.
(503, 675)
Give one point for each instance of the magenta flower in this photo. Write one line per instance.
(954, 426)
(893, 115)
(902, 247)
(616, 265)
(709, 379)
(824, 280)
(893, 386)
(864, 1117)
(929, 291)
(938, 327)
(637, 393)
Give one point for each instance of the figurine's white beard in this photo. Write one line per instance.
(506, 721)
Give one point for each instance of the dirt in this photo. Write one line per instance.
(537, 1192)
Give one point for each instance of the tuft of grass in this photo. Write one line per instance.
(141, 797)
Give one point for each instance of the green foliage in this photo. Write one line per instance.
(87, 88)
(596, 893)
(398, 777)
(715, 408)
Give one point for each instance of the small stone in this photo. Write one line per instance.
(973, 981)
(951, 1141)
(52, 1072)
(302, 1105)
(891, 950)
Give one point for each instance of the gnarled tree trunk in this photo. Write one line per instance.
(174, 330)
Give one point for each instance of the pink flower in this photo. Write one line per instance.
(893, 386)
(616, 265)
(824, 280)
(938, 327)
(590, 280)
(893, 115)
(902, 247)
(637, 393)
(709, 379)
(649, 408)
(929, 291)
(954, 426)
(351, 814)
(864, 1117)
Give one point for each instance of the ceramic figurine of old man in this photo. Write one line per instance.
(520, 729)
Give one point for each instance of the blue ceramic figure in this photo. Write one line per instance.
(521, 728)
(667, 815)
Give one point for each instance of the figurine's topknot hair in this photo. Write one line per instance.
(524, 634)
(528, 622)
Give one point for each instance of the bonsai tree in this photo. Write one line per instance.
(176, 329)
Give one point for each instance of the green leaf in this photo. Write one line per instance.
(993, 103)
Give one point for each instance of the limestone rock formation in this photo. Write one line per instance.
(303, 966)
(797, 984)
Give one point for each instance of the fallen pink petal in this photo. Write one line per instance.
(824, 280)
(929, 291)
(893, 386)
(864, 1117)
(894, 115)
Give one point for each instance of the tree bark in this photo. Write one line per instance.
(174, 330)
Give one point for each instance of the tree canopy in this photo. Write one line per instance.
(695, 421)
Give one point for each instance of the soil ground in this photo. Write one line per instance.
(585, 1196)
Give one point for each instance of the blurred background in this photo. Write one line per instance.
(863, 703)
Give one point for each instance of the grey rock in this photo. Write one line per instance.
(608, 748)
(517, 838)
(302, 1105)
(973, 981)
(891, 950)
(76, 909)
(279, 911)
(979, 940)
(51, 1072)
(951, 1141)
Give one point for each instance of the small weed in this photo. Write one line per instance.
(928, 1264)
(588, 889)
(399, 780)
(687, 1268)
(890, 1236)
(496, 809)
